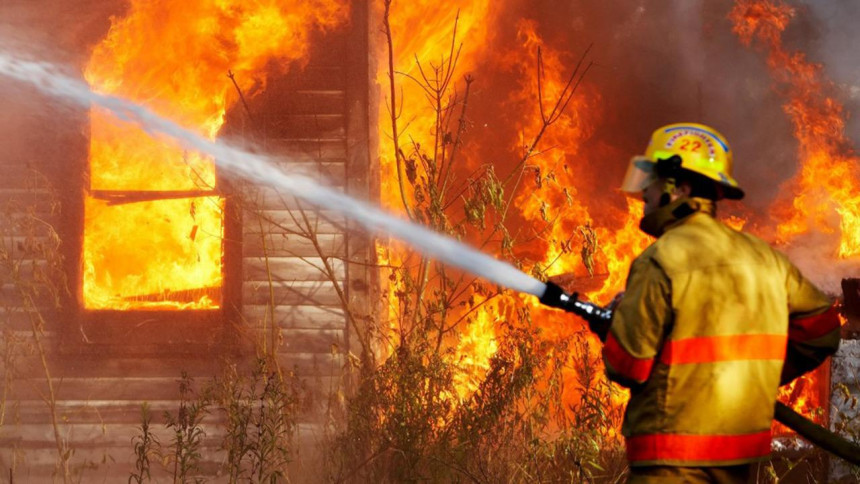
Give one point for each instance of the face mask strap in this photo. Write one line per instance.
(668, 190)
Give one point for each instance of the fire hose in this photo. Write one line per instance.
(599, 319)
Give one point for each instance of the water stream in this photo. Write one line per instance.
(262, 169)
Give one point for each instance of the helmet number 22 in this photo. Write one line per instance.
(688, 145)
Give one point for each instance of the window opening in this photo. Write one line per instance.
(153, 223)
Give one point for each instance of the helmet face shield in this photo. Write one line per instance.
(640, 173)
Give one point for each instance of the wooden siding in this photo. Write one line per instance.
(296, 269)
(293, 254)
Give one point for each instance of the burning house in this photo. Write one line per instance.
(142, 261)
(137, 270)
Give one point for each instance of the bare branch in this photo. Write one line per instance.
(393, 101)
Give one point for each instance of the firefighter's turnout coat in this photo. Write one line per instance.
(707, 321)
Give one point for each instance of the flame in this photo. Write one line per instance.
(575, 227)
(154, 215)
(596, 250)
(476, 346)
(806, 397)
(563, 235)
(555, 206)
(823, 195)
(422, 35)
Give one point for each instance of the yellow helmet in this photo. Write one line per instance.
(701, 150)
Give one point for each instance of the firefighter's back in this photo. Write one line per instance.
(715, 378)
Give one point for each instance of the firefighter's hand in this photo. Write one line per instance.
(601, 327)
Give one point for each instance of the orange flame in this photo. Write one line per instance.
(562, 235)
(569, 239)
(153, 213)
(422, 35)
(823, 195)
(476, 346)
(595, 251)
(806, 397)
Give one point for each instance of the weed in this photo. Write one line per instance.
(145, 445)
(261, 417)
(187, 430)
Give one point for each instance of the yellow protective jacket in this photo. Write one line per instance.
(700, 336)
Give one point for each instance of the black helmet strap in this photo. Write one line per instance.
(669, 167)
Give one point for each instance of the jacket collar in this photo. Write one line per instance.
(673, 214)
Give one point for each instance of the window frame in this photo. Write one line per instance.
(136, 332)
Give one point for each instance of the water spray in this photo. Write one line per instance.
(48, 78)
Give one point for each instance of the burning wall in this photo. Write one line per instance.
(290, 307)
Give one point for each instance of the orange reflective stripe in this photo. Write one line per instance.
(697, 447)
(624, 363)
(724, 348)
(812, 327)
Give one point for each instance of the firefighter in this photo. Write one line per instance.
(711, 323)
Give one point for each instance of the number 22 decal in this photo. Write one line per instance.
(687, 145)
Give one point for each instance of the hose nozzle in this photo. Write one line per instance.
(555, 297)
(598, 318)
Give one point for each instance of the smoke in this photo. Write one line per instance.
(813, 255)
(58, 30)
(35, 131)
(832, 40)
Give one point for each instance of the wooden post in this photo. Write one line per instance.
(361, 176)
